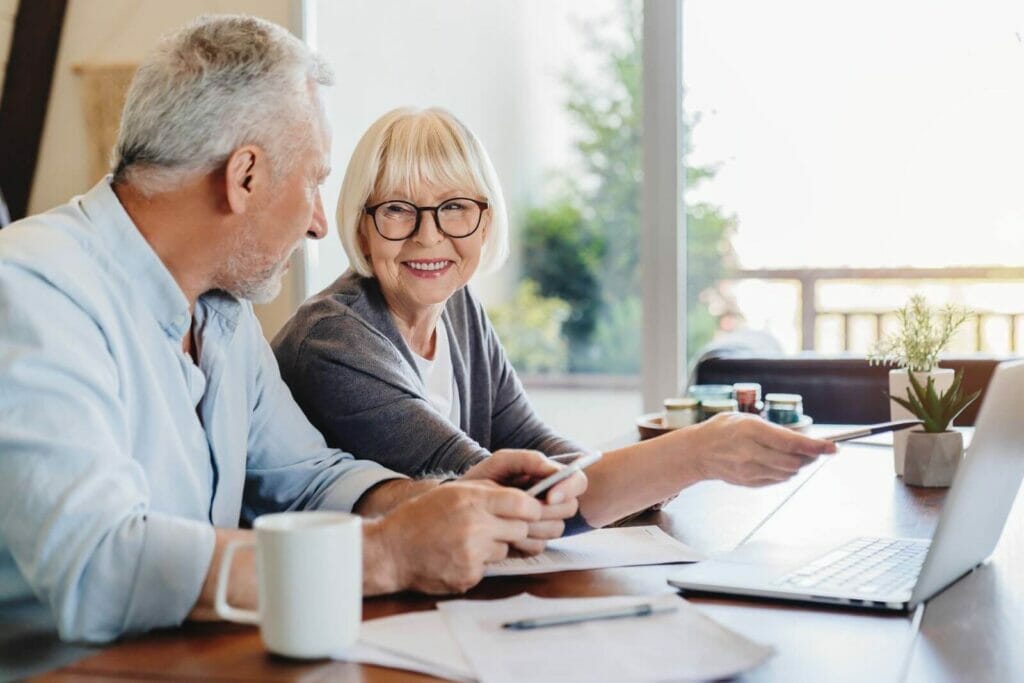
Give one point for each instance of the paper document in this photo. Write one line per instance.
(680, 645)
(415, 641)
(362, 653)
(601, 548)
(464, 641)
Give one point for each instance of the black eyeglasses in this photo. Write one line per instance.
(397, 220)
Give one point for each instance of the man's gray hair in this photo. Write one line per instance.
(219, 83)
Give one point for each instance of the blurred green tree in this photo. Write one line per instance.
(585, 247)
(563, 253)
(530, 328)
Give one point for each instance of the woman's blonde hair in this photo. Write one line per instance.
(407, 148)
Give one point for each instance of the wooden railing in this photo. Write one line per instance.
(808, 279)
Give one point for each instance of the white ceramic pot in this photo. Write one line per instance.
(899, 383)
(932, 459)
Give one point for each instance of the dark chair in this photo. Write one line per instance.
(836, 389)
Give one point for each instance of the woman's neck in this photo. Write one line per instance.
(417, 327)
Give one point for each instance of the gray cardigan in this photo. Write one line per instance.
(354, 376)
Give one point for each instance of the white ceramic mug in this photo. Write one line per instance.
(309, 567)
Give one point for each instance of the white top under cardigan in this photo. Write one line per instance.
(439, 377)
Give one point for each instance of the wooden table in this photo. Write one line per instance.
(970, 632)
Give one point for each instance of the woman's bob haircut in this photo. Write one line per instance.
(406, 149)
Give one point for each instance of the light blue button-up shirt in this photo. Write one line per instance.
(118, 455)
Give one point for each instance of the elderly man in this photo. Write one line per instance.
(142, 415)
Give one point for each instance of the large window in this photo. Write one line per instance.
(837, 159)
(847, 155)
(553, 90)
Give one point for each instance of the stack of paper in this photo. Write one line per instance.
(416, 641)
(679, 645)
(464, 640)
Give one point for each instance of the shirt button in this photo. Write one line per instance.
(180, 320)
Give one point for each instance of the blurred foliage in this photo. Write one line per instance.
(709, 259)
(584, 248)
(618, 339)
(563, 253)
(530, 329)
(608, 114)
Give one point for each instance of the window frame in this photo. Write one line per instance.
(663, 213)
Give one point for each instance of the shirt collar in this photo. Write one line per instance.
(128, 250)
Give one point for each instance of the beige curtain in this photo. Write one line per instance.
(103, 89)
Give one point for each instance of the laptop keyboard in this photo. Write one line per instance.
(864, 566)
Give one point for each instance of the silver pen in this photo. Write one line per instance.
(873, 429)
(644, 610)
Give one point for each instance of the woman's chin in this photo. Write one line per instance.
(426, 299)
(424, 294)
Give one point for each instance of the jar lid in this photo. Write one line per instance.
(680, 403)
(746, 386)
(784, 398)
(722, 390)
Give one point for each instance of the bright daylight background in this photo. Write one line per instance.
(874, 134)
(830, 135)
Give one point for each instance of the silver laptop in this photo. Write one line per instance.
(896, 573)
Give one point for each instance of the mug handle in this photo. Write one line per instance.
(224, 610)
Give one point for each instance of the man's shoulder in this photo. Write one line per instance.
(39, 240)
(56, 248)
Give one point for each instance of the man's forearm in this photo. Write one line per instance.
(387, 495)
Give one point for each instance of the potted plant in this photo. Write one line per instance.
(934, 452)
(924, 331)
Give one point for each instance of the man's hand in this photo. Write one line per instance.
(440, 541)
(522, 469)
(746, 450)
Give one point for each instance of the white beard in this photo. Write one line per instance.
(261, 289)
(247, 275)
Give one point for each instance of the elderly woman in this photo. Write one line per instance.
(396, 361)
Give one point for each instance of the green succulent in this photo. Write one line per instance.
(936, 410)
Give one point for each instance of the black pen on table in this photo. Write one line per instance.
(873, 429)
(643, 610)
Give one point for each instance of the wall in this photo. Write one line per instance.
(8, 8)
(497, 65)
(112, 32)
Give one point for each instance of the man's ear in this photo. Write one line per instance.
(244, 174)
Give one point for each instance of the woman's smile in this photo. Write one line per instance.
(428, 269)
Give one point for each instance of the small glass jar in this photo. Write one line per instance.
(710, 392)
(784, 409)
(712, 407)
(680, 412)
(748, 397)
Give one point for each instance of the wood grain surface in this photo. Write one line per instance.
(970, 632)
